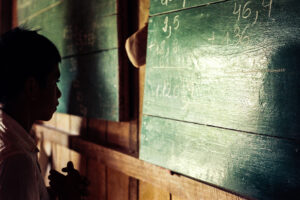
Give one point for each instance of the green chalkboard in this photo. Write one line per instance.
(229, 68)
(254, 166)
(87, 36)
(161, 6)
(93, 94)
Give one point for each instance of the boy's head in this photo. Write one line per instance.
(27, 59)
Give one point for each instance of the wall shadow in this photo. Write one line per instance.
(268, 167)
(280, 94)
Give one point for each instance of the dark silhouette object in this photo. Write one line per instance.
(68, 187)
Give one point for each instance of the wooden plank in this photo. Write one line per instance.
(6, 15)
(144, 6)
(79, 161)
(96, 174)
(117, 185)
(61, 156)
(63, 122)
(210, 65)
(118, 134)
(178, 185)
(133, 189)
(78, 125)
(176, 198)
(149, 192)
(256, 166)
(97, 130)
(162, 6)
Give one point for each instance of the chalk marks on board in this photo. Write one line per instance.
(166, 2)
(168, 27)
(165, 6)
(228, 45)
(246, 18)
(33, 9)
(79, 37)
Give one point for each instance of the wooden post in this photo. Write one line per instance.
(5, 15)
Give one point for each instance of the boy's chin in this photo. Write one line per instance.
(47, 117)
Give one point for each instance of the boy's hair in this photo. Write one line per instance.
(23, 54)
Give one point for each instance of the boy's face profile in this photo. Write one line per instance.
(47, 96)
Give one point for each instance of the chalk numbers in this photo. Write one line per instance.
(167, 2)
(246, 18)
(243, 11)
(267, 4)
(168, 27)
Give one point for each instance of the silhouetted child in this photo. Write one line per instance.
(28, 92)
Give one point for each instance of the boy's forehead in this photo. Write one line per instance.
(55, 72)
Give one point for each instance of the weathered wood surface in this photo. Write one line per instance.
(178, 185)
(149, 192)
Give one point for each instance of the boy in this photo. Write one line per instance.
(28, 92)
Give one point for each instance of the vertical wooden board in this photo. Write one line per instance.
(228, 65)
(256, 166)
(97, 130)
(177, 198)
(78, 125)
(61, 156)
(79, 161)
(118, 133)
(96, 174)
(134, 138)
(117, 185)
(133, 189)
(144, 6)
(88, 80)
(150, 192)
(161, 6)
(63, 122)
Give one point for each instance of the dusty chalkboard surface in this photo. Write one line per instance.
(162, 6)
(226, 67)
(86, 34)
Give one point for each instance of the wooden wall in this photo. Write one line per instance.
(107, 152)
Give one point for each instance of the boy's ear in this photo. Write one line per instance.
(31, 88)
